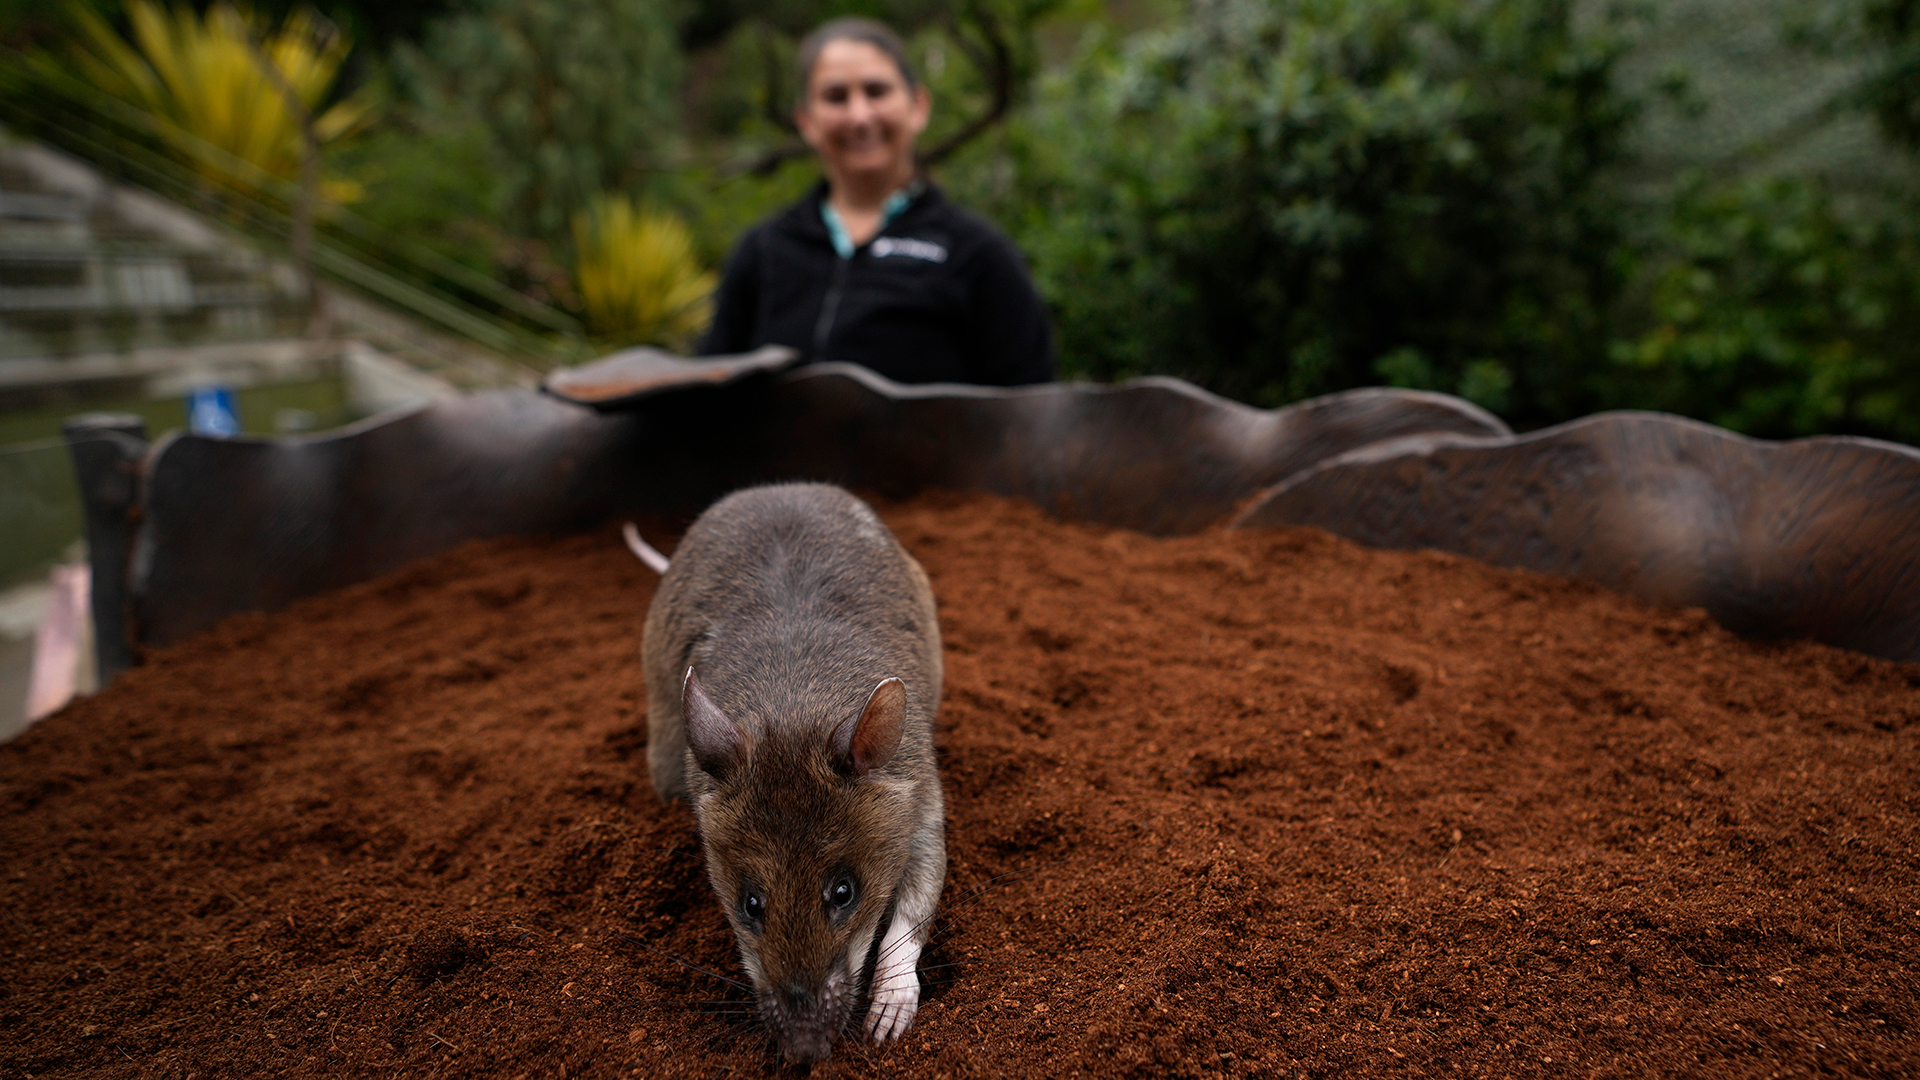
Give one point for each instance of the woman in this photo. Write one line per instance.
(874, 266)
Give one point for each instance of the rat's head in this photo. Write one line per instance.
(806, 838)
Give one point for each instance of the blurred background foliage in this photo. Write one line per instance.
(640, 278)
(1546, 206)
(203, 77)
(1303, 195)
(575, 98)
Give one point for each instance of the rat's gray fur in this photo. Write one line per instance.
(783, 612)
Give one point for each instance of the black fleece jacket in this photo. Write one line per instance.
(939, 295)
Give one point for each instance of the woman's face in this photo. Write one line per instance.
(859, 115)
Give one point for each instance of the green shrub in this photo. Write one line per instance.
(639, 277)
(577, 97)
(430, 180)
(1777, 314)
(1892, 86)
(1287, 197)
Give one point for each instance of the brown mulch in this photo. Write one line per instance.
(1258, 803)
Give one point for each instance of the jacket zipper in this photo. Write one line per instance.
(829, 308)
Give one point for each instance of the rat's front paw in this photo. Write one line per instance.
(896, 997)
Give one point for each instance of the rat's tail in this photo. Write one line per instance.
(643, 549)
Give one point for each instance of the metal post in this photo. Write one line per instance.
(107, 451)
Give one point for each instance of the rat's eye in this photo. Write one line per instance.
(841, 893)
(752, 907)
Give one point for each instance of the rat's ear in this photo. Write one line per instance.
(870, 743)
(718, 743)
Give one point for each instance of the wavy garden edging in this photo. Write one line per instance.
(1816, 538)
(228, 525)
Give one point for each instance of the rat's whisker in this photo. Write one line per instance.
(738, 1045)
(967, 964)
(952, 905)
(942, 918)
(688, 964)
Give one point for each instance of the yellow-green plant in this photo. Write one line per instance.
(638, 274)
(203, 78)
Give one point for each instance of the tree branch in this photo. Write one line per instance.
(767, 162)
(997, 66)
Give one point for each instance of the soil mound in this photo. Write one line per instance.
(1260, 803)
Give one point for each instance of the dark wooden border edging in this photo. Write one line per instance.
(108, 451)
(235, 525)
(1816, 538)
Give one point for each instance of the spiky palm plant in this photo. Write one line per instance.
(638, 274)
(202, 76)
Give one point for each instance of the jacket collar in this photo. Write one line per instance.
(803, 218)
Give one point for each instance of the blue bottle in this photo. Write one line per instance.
(210, 411)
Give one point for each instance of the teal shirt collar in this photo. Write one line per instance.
(837, 229)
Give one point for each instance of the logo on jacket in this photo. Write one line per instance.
(912, 249)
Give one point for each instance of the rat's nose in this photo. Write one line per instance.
(803, 1033)
(806, 1048)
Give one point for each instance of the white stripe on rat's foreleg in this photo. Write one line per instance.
(896, 983)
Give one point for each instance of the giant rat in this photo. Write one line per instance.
(792, 658)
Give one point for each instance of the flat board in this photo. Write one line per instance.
(625, 379)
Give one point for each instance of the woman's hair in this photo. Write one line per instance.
(852, 28)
